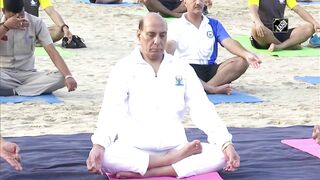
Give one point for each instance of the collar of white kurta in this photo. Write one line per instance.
(139, 58)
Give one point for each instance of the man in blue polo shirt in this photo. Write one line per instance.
(194, 38)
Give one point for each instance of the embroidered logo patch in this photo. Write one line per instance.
(280, 25)
(210, 34)
(179, 80)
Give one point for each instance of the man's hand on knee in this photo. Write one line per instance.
(94, 161)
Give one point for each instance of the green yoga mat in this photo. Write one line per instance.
(39, 51)
(304, 52)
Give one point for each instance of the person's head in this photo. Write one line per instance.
(13, 7)
(152, 35)
(194, 6)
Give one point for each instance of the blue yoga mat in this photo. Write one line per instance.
(19, 99)
(111, 4)
(310, 3)
(263, 156)
(235, 97)
(308, 79)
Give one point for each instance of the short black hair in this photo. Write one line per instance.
(14, 6)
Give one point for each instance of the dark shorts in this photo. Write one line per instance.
(280, 36)
(205, 72)
(170, 4)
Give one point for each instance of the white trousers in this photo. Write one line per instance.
(31, 83)
(120, 157)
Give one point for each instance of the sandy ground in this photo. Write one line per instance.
(109, 33)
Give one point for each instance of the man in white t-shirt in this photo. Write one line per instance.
(194, 38)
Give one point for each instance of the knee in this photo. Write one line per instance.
(242, 63)
(146, 2)
(55, 33)
(254, 31)
(309, 29)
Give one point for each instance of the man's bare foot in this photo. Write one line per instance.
(275, 47)
(223, 89)
(189, 149)
(316, 133)
(126, 175)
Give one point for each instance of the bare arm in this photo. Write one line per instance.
(234, 47)
(62, 67)
(307, 17)
(237, 49)
(171, 47)
(253, 9)
(57, 19)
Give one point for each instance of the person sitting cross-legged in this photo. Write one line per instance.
(141, 135)
(271, 30)
(19, 32)
(194, 38)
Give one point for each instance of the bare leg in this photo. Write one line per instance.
(55, 33)
(181, 8)
(160, 165)
(156, 6)
(227, 72)
(267, 39)
(298, 35)
(223, 89)
(174, 156)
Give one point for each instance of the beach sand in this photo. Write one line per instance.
(109, 33)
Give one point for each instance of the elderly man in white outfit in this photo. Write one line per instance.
(140, 132)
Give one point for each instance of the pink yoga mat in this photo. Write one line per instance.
(305, 145)
(208, 176)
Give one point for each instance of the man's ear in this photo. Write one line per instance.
(138, 34)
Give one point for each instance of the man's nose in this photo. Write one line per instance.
(157, 39)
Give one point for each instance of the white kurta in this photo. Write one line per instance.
(146, 109)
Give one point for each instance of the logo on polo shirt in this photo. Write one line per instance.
(280, 25)
(179, 80)
(281, 1)
(210, 34)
